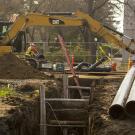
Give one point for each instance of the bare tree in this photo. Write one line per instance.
(100, 10)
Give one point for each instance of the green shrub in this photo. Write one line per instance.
(5, 91)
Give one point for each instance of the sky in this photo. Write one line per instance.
(120, 17)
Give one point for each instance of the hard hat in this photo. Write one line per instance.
(32, 44)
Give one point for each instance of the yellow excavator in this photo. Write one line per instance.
(10, 31)
(12, 34)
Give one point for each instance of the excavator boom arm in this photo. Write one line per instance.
(102, 31)
(78, 19)
(35, 19)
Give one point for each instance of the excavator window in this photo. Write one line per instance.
(4, 27)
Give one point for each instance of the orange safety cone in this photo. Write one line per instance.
(114, 66)
(73, 60)
(130, 63)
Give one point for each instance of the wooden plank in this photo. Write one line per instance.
(93, 85)
(99, 73)
(66, 100)
(68, 109)
(81, 87)
(43, 130)
(65, 85)
(91, 77)
(70, 115)
(91, 122)
(70, 126)
(67, 122)
(60, 103)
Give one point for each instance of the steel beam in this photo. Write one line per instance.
(117, 108)
(60, 103)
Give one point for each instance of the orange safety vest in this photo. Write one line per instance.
(31, 51)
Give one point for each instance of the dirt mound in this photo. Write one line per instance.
(11, 67)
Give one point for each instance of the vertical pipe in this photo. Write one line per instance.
(43, 130)
(130, 104)
(117, 108)
(65, 85)
(65, 131)
(61, 41)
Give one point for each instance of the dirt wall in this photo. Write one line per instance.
(11, 67)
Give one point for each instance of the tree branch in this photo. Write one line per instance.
(100, 6)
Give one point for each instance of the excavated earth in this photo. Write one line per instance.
(22, 111)
(19, 114)
(11, 67)
(104, 124)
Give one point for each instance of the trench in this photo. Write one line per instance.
(24, 119)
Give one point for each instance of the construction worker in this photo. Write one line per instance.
(32, 51)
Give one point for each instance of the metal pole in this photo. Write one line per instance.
(43, 130)
(65, 85)
(62, 43)
(44, 48)
(130, 104)
(117, 108)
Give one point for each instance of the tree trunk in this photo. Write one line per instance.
(88, 36)
(90, 45)
(44, 34)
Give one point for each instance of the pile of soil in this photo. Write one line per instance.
(11, 67)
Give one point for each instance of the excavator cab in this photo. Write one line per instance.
(13, 38)
(4, 25)
(18, 42)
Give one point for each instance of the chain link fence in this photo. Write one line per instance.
(81, 51)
